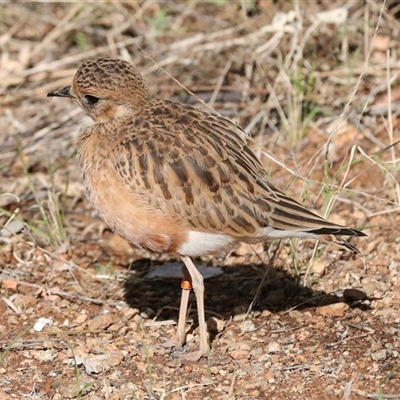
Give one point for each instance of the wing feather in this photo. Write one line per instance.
(199, 167)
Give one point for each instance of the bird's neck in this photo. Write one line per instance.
(93, 142)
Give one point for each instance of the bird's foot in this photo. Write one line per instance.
(172, 344)
(192, 356)
(175, 346)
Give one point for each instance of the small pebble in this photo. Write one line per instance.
(354, 295)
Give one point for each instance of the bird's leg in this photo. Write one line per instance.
(186, 285)
(198, 287)
(192, 279)
(180, 336)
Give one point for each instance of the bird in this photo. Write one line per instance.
(174, 179)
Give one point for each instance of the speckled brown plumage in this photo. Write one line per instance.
(173, 179)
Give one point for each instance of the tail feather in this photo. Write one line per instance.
(289, 216)
(342, 242)
(338, 230)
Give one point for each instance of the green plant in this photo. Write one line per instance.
(161, 20)
(15, 340)
(217, 2)
(301, 108)
(80, 389)
(106, 269)
(50, 225)
(81, 40)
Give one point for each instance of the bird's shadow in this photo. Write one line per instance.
(240, 288)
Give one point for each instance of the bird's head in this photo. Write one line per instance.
(106, 88)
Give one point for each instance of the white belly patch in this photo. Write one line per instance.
(203, 243)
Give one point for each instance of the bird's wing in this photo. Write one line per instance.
(199, 167)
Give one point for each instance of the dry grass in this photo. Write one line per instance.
(316, 85)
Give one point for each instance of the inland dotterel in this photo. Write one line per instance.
(170, 178)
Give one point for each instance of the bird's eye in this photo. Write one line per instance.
(91, 99)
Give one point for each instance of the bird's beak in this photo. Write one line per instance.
(64, 92)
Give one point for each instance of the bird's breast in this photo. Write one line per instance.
(126, 211)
